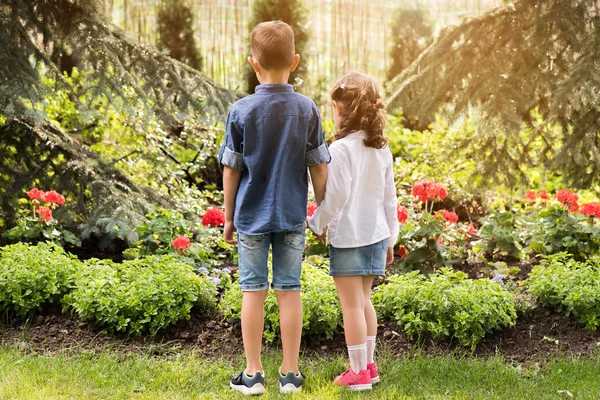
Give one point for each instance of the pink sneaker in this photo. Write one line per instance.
(372, 368)
(360, 381)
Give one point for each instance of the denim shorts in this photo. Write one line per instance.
(253, 256)
(365, 260)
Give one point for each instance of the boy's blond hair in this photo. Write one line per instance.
(273, 45)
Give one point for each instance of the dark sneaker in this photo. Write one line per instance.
(290, 383)
(248, 384)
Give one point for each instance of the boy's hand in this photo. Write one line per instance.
(390, 256)
(228, 232)
(323, 236)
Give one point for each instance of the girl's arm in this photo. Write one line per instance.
(337, 193)
(390, 204)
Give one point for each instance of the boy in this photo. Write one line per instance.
(271, 138)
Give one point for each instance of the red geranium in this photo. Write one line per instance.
(310, 209)
(471, 230)
(45, 213)
(54, 197)
(402, 214)
(591, 209)
(425, 190)
(543, 195)
(182, 242)
(36, 194)
(402, 251)
(530, 195)
(568, 198)
(213, 217)
(450, 216)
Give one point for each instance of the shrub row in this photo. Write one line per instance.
(139, 296)
(569, 286)
(446, 305)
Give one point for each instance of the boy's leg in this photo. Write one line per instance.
(253, 324)
(254, 283)
(287, 267)
(290, 319)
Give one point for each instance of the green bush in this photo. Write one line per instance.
(33, 275)
(321, 310)
(569, 286)
(139, 296)
(446, 305)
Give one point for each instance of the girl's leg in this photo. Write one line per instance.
(370, 317)
(350, 292)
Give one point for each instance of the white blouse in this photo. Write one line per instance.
(360, 204)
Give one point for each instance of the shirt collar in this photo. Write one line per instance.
(274, 88)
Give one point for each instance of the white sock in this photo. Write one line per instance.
(358, 357)
(370, 349)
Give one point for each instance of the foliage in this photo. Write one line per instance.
(570, 286)
(555, 229)
(36, 223)
(176, 34)
(140, 296)
(499, 233)
(321, 310)
(525, 59)
(158, 232)
(293, 13)
(411, 34)
(446, 305)
(31, 276)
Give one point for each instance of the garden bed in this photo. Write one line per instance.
(55, 332)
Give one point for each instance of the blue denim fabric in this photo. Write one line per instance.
(287, 259)
(272, 136)
(365, 260)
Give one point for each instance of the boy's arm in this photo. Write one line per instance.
(231, 183)
(318, 176)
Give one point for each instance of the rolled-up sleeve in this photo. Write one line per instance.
(390, 204)
(316, 148)
(231, 153)
(337, 193)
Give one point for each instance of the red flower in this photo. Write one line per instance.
(45, 213)
(402, 251)
(182, 242)
(36, 194)
(425, 190)
(568, 198)
(54, 197)
(530, 195)
(310, 209)
(543, 195)
(440, 241)
(402, 214)
(591, 209)
(213, 217)
(450, 216)
(471, 230)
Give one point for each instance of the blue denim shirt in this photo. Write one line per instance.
(272, 136)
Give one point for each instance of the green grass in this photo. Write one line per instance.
(110, 375)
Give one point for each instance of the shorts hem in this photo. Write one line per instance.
(286, 288)
(356, 273)
(254, 288)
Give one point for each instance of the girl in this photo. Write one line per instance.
(360, 210)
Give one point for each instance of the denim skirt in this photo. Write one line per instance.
(365, 260)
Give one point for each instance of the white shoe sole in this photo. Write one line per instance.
(375, 380)
(360, 387)
(259, 388)
(289, 388)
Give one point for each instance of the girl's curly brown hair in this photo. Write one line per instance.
(361, 108)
